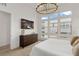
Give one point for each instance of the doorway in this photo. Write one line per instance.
(5, 20)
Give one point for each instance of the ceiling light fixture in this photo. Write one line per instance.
(46, 8)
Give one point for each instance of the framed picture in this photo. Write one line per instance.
(26, 24)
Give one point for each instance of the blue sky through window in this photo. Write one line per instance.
(56, 15)
(67, 13)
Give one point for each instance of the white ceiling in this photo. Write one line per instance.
(35, 4)
(62, 6)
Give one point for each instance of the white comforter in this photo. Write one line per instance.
(52, 47)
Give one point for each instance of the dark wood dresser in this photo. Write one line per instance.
(26, 40)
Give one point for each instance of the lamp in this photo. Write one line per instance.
(46, 8)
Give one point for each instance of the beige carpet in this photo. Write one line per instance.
(19, 51)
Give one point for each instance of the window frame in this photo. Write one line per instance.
(58, 34)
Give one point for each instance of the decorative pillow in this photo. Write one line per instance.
(75, 45)
(74, 40)
(75, 50)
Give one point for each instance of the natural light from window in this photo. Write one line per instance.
(57, 23)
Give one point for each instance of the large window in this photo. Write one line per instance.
(57, 25)
(45, 27)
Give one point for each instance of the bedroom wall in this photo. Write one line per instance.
(19, 11)
(27, 11)
(4, 28)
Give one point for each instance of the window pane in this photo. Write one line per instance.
(44, 18)
(67, 13)
(53, 16)
(53, 26)
(65, 20)
(44, 36)
(44, 23)
(44, 30)
(65, 25)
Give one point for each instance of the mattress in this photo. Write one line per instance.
(52, 47)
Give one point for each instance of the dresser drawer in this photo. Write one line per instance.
(28, 39)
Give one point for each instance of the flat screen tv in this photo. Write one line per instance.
(27, 24)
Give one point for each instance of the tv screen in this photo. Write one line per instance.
(26, 24)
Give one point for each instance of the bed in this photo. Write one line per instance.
(52, 47)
